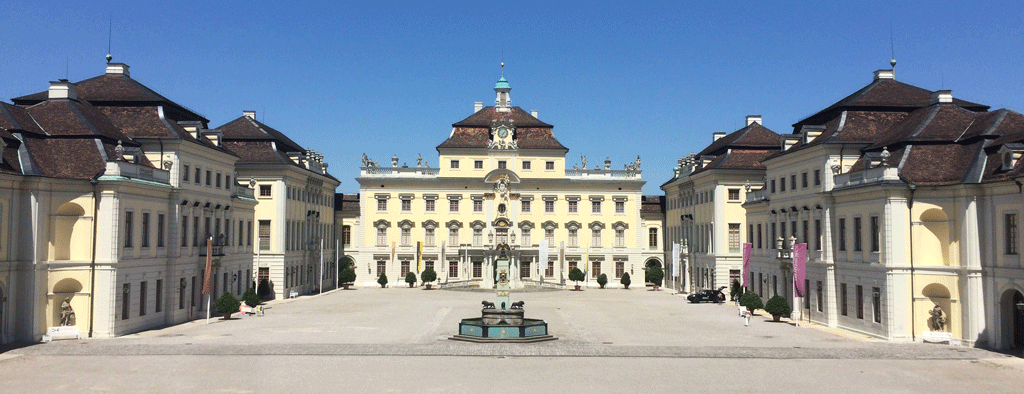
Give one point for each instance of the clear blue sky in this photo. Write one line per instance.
(617, 80)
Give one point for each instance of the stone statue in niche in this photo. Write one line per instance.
(937, 322)
(67, 314)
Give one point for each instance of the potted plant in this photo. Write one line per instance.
(751, 301)
(383, 280)
(655, 274)
(410, 278)
(576, 275)
(251, 298)
(428, 276)
(625, 280)
(227, 304)
(777, 307)
(602, 280)
(347, 276)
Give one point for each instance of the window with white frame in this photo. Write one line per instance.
(549, 206)
(382, 236)
(620, 237)
(478, 236)
(478, 205)
(428, 205)
(620, 207)
(453, 236)
(382, 204)
(428, 236)
(595, 237)
(406, 236)
(573, 207)
(549, 235)
(525, 206)
(573, 238)
(526, 236)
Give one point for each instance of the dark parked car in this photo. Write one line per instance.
(707, 296)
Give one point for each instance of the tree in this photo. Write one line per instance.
(602, 280)
(251, 298)
(263, 290)
(777, 306)
(576, 275)
(751, 301)
(227, 304)
(383, 280)
(410, 278)
(428, 275)
(347, 276)
(656, 274)
(735, 290)
(625, 280)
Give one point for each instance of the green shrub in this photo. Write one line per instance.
(655, 274)
(251, 298)
(227, 304)
(625, 280)
(735, 290)
(383, 280)
(347, 275)
(263, 290)
(602, 280)
(428, 275)
(778, 306)
(751, 301)
(410, 278)
(576, 275)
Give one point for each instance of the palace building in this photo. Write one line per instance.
(502, 176)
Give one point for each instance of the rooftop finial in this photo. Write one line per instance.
(892, 47)
(110, 29)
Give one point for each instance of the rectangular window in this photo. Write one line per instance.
(478, 269)
(126, 298)
(803, 179)
(195, 231)
(128, 229)
(381, 265)
(227, 182)
(573, 238)
(807, 294)
(198, 178)
(159, 295)
(428, 237)
(550, 165)
(142, 298)
(181, 294)
(620, 268)
(241, 231)
(773, 186)
(620, 207)
(406, 237)
(145, 229)
(792, 182)
(782, 184)
(620, 238)
(524, 270)
(264, 235)
(502, 164)
(453, 269)
(734, 194)
(382, 205)
(184, 231)
(525, 206)
(526, 165)
(453, 236)
(382, 236)
(206, 230)
(454, 164)
(551, 269)
(1011, 233)
(842, 299)
(856, 234)
(549, 235)
(429, 205)
(478, 164)
(759, 238)
(652, 237)
(876, 234)
(595, 269)
(549, 206)
(478, 205)
(876, 303)
(771, 241)
(160, 230)
(453, 205)
(842, 234)
(573, 208)
(526, 241)
(219, 175)
(819, 297)
(817, 234)
(859, 292)
(406, 205)
(184, 171)
(595, 207)
(209, 178)
(805, 226)
(405, 268)
(595, 238)
(478, 236)
(265, 190)
(817, 177)
(734, 237)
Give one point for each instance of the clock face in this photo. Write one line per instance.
(502, 132)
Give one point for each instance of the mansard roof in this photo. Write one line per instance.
(475, 131)
(246, 129)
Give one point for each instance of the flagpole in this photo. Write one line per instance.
(209, 266)
(337, 277)
(321, 265)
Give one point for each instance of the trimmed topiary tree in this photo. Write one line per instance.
(428, 276)
(410, 278)
(383, 280)
(777, 307)
(347, 276)
(576, 275)
(263, 290)
(751, 301)
(251, 298)
(227, 304)
(625, 280)
(602, 280)
(656, 275)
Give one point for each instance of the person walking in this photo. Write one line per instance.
(746, 318)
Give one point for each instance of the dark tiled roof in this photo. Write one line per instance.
(937, 123)
(858, 127)
(485, 116)
(245, 128)
(144, 122)
(76, 158)
(14, 118)
(475, 131)
(75, 118)
(256, 152)
(752, 136)
(347, 202)
(1007, 127)
(943, 164)
(110, 89)
(652, 204)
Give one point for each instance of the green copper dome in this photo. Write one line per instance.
(502, 84)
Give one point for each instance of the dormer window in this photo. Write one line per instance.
(1009, 155)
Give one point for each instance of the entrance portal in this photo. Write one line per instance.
(1012, 320)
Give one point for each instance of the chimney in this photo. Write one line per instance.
(62, 89)
(117, 69)
(249, 114)
(942, 97)
(477, 106)
(885, 74)
(716, 135)
(753, 119)
(534, 113)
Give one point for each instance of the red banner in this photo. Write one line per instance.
(799, 268)
(207, 286)
(746, 263)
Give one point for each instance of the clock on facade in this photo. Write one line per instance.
(502, 132)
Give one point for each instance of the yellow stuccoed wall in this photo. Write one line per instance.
(951, 306)
(73, 284)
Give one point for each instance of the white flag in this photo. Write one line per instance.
(542, 262)
(675, 259)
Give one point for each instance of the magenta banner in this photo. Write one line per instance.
(746, 263)
(799, 268)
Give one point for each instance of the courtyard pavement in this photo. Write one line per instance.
(396, 340)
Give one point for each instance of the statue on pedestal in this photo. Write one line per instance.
(67, 314)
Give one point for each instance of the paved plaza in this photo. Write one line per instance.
(395, 340)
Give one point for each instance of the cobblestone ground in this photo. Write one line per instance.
(395, 339)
